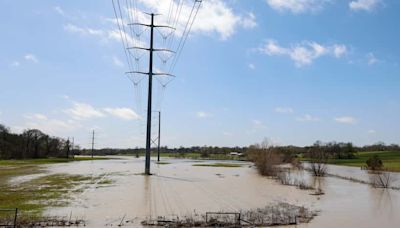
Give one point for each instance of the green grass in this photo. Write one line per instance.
(391, 160)
(226, 165)
(31, 197)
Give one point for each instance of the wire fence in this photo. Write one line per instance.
(8, 217)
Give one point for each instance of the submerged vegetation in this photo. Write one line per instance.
(27, 186)
(271, 215)
(226, 165)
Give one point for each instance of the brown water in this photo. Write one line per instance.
(182, 189)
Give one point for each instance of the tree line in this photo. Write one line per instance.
(32, 144)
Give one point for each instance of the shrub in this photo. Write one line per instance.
(266, 158)
(374, 163)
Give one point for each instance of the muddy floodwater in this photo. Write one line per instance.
(181, 189)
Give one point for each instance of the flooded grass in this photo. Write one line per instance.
(36, 189)
(53, 190)
(43, 161)
(278, 214)
(225, 165)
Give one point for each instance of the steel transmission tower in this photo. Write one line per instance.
(176, 16)
(150, 74)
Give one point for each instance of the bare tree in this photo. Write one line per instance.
(266, 157)
(382, 179)
(318, 160)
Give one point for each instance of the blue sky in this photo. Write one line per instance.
(294, 71)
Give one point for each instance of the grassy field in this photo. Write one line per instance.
(391, 160)
(33, 195)
(42, 161)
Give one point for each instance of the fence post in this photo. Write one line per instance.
(15, 217)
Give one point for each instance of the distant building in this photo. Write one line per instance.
(235, 154)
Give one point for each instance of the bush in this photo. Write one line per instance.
(374, 163)
(266, 158)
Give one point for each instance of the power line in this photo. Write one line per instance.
(132, 48)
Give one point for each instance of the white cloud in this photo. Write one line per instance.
(49, 125)
(367, 5)
(202, 114)
(104, 35)
(249, 21)
(117, 62)
(37, 116)
(297, 6)
(252, 66)
(303, 53)
(346, 120)
(371, 132)
(83, 111)
(84, 31)
(59, 10)
(31, 57)
(371, 59)
(308, 118)
(215, 16)
(283, 110)
(339, 50)
(123, 113)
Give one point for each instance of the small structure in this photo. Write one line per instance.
(238, 154)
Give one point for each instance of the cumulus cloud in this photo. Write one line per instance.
(31, 57)
(252, 66)
(83, 111)
(346, 120)
(104, 35)
(202, 114)
(249, 21)
(366, 5)
(215, 16)
(303, 53)
(122, 113)
(308, 118)
(49, 125)
(283, 110)
(297, 6)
